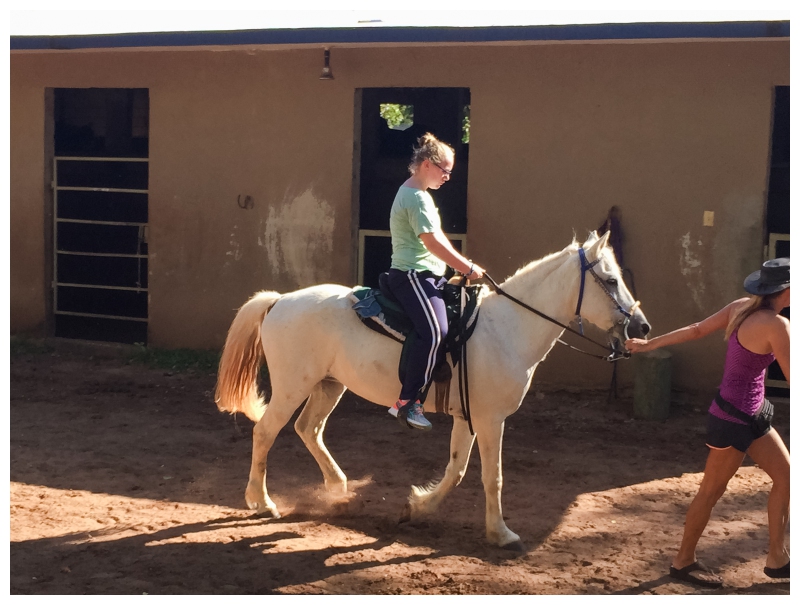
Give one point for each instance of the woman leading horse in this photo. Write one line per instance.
(739, 418)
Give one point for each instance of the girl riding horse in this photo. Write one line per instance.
(420, 253)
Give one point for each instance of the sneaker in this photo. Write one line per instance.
(411, 415)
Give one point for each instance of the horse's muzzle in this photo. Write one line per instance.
(635, 326)
(638, 326)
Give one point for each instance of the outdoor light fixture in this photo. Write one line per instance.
(327, 74)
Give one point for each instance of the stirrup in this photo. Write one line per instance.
(412, 416)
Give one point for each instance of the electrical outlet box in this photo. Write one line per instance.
(708, 218)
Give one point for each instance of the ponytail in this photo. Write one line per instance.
(431, 149)
(756, 303)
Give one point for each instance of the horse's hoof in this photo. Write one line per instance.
(516, 546)
(262, 511)
(406, 516)
(267, 514)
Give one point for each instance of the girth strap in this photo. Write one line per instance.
(463, 375)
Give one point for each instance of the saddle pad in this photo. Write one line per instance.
(370, 304)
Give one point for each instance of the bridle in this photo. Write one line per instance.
(586, 266)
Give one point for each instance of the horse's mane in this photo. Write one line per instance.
(536, 264)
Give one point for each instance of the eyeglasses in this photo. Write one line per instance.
(447, 172)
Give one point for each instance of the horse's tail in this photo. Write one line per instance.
(237, 378)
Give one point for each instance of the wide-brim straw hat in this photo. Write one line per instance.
(772, 277)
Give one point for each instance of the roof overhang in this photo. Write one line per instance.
(408, 36)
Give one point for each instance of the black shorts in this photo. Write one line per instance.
(723, 433)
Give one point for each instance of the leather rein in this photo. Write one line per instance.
(586, 266)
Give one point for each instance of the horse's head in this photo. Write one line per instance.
(604, 299)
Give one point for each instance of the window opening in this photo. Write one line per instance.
(390, 122)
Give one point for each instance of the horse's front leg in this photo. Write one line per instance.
(310, 425)
(425, 500)
(490, 444)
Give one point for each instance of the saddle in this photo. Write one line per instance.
(378, 309)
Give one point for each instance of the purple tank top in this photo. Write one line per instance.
(743, 379)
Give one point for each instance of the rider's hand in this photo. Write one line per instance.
(637, 345)
(477, 272)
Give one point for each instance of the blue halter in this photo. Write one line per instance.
(587, 266)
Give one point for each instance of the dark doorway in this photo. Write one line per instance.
(100, 213)
(392, 119)
(777, 244)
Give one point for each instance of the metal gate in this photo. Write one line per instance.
(100, 248)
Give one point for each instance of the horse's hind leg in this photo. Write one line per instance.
(310, 425)
(425, 500)
(279, 411)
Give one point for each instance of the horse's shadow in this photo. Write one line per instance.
(157, 563)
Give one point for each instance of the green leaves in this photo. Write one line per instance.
(398, 117)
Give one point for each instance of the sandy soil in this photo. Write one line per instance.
(127, 480)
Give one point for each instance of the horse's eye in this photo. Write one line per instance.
(611, 281)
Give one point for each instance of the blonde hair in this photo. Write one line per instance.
(430, 148)
(756, 303)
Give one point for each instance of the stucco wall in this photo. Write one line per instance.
(560, 132)
(665, 132)
(26, 232)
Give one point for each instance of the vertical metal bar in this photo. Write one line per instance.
(140, 238)
(362, 242)
(355, 189)
(55, 235)
(47, 226)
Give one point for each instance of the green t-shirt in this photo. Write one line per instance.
(413, 212)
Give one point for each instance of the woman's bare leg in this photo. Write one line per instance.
(720, 467)
(770, 453)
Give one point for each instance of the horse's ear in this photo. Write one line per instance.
(590, 240)
(594, 250)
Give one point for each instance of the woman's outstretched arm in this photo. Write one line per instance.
(695, 331)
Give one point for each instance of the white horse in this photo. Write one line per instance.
(316, 347)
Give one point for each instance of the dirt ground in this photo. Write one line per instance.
(127, 480)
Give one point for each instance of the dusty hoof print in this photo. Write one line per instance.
(516, 547)
(405, 517)
(348, 507)
(356, 505)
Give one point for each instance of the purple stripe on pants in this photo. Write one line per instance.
(420, 295)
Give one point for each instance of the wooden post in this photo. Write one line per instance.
(652, 385)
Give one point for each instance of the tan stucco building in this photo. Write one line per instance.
(254, 165)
